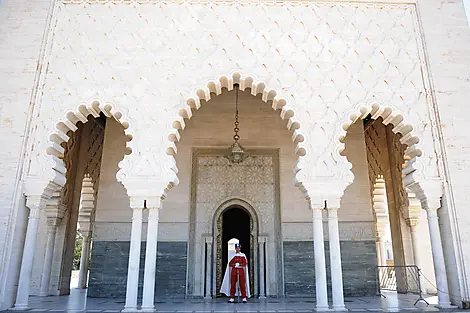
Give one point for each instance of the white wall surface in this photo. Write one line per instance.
(22, 26)
(447, 38)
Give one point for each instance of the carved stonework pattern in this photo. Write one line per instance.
(376, 143)
(396, 167)
(219, 180)
(71, 151)
(307, 54)
(374, 136)
(95, 136)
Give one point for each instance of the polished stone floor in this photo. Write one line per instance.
(78, 302)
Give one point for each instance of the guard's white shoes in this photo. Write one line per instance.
(232, 300)
(244, 300)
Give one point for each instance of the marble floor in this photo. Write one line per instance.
(78, 302)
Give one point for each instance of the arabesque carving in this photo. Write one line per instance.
(322, 76)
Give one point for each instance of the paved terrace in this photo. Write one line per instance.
(78, 302)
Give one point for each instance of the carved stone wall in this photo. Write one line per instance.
(217, 180)
(375, 138)
(302, 56)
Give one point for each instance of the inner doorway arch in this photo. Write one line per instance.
(235, 218)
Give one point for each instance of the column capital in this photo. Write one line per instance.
(321, 190)
(37, 202)
(146, 189)
(150, 202)
(431, 205)
(55, 211)
(317, 214)
(155, 202)
(332, 214)
(333, 202)
(53, 222)
(412, 222)
(86, 234)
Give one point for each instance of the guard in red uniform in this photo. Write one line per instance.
(237, 265)
(236, 274)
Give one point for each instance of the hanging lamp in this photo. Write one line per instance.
(236, 153)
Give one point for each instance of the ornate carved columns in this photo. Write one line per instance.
(412, 212)
(326, 194)
(35, 203)
(413, 224)
(84, 259)
(85, 217)
(137, 206)
(431, 207)
(262, 276)
(380, 246)
(154, 206)
(149, 194)
(208, 253)
(381, 216)
(319, 254)
(54, 213)
(335, 256)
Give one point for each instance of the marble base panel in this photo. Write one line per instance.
(108, 269)
(359, 261)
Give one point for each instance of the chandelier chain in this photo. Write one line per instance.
(236, 137)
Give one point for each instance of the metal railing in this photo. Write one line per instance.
(402, 279)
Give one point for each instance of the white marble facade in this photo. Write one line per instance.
(309, 72)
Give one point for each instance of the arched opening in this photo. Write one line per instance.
(383, 153)
(82, 158)
(70, 213)
(257, 89)
(236, 223)
(212, 179)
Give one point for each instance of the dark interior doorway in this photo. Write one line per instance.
(235, 224)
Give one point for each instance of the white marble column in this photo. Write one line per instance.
(150, 260)
(47, 267)
(438, 257)
(378, 247)
(262, 278)
(320, 264)
(54, 213)
(85, 222)
(208, 267)
(413, 224)
(134, 261)
(84, 258)
(22, 294)
(382, 219)
(335, 260)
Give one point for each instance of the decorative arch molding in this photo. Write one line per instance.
(231, 202)
(223, 206)
(414, 170)
(55, 151)
(257, 86)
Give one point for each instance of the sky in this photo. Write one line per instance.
(467, 9)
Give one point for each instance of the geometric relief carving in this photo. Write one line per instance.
(219, 179)
(95, 137)
(252, 180)
(302, 57)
